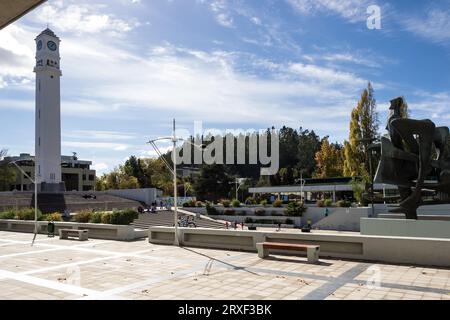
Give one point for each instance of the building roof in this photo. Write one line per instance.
(64, 159)
(315, 188)
(11, 10)
(49, 33)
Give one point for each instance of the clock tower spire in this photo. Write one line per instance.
(48, 112)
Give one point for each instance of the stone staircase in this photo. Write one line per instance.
(166, 219)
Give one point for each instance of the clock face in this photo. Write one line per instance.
(51, 45)
(39, 45)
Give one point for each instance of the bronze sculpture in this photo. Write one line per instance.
(414, 151)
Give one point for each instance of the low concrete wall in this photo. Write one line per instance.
(96, 230)
(239, 219)
(433, 210)
(419, 217)
(146, 195)
(342, 219)
(406, 228)
(418, 251)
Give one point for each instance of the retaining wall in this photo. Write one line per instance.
(96, 230)
(417, 251)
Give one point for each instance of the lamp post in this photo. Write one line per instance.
(368, 148)
(302, 183)
(238, 183)
(186, 188)
(174, 139)
(35, 182)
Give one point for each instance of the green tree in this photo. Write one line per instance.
(309, 144)
(100, 183)
(329, 160)
(363, 128)
(213, 183)
(134, 168)
(128, 182)
(7, 172)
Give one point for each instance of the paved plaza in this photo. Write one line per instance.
(101, 269)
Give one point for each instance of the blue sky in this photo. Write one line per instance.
(130, 66)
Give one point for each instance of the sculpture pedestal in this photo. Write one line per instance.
(405, 228)
(52, 187)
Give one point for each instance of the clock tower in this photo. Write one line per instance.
(48, 112)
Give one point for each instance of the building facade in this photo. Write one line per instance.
(76, 174)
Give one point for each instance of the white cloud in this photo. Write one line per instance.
(435, 26)
(95, 145)
(83, 18)
(327, 76)
(351, 10)
(350, 58)
(100, 166)
(424, 104)
(99, 135)
(28, 105)
(16, 56)
(256, 20)
(215, 86)
(221, 12)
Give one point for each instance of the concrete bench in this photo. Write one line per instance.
(66, 233)
(312, 251)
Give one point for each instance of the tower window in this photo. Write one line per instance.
(51, 77)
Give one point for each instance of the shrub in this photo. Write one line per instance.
(190, 203)
(123, 217)
(83, 216)
(328, 202)
(263, 202)
(225, 203)
(295, 209)
(96, 217)
(27, 214)
(289, 221)
(236, 203)
(260, 212)
(106, 217)
(199, 204)
(8, 214)
(55, 216)
(277, 204)
(343, 204)
(320, 203)
(229, 212)
(250, 201)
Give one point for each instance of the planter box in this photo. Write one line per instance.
(96, 230)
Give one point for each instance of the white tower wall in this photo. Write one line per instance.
(48, 111)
